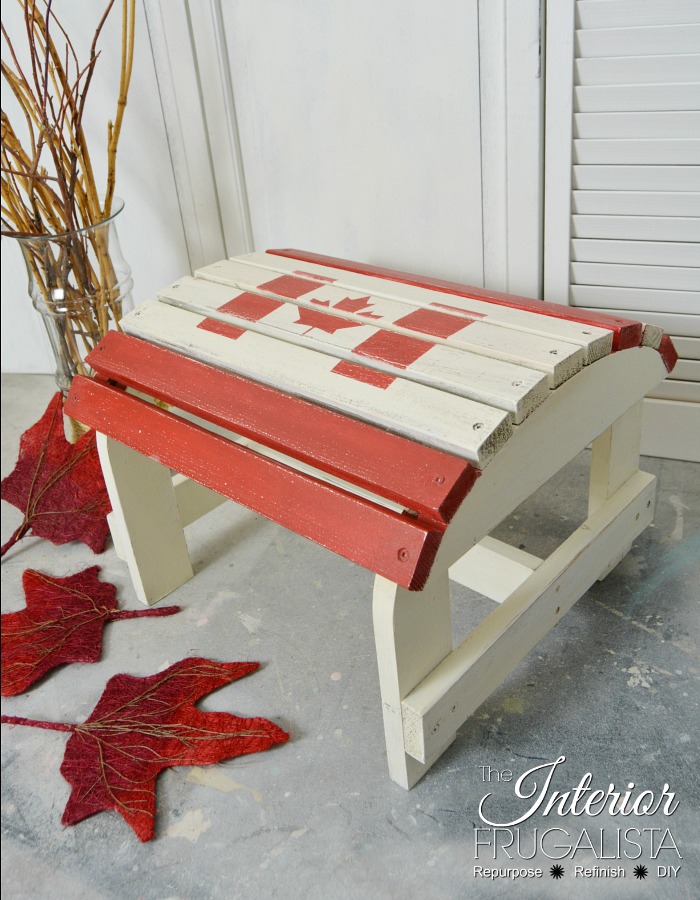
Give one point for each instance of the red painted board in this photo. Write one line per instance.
(668, 353)
(422, 479)
(626, 333)
(393, 545)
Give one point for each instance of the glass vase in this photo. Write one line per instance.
(81, 285)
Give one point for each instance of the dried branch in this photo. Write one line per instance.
(48, 182)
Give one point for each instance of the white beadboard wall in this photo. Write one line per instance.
(150, 228)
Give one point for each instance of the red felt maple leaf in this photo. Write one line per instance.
(61, 623)
(330, 324)
(58, 485)
(143, 725)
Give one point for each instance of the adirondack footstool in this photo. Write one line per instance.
(394, 419)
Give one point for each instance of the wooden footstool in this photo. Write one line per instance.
(393, 419)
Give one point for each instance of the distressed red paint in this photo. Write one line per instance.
(626, 333)
(362, 373)
(437, 324)
(330, 324)
(254, 307)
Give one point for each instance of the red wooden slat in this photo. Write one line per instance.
(431, 482)
(626, 333)
(396, 546)
(668, 353)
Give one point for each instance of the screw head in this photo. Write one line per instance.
(403, 554)
(439, 479)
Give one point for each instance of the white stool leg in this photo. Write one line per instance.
(614, 459)
(145, 516)
(615, 456)
(413, 633)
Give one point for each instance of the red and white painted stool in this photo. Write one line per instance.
(393, 419)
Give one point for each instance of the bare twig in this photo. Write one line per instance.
(48, 182)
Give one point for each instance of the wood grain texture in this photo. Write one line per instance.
(403, 355)
(452, 424)
(433, 323)
(626, 333)
(595, 342)
(396, 546)
(419, 478)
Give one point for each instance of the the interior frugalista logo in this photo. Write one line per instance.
(513, 838)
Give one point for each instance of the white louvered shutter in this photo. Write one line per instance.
(622, 182)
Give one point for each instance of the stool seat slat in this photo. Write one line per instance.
(417, 477)
(516, 389)
(558, 359)
(626, 332)
(449, 423)
(400, 547)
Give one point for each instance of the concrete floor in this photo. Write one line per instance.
(613, 689)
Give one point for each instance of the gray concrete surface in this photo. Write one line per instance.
(613, 689)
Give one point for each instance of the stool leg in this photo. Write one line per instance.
(413, 633)
(614, 459)
(145, 516)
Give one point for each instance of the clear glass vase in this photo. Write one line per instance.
(81, 284)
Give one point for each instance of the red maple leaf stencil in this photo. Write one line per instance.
(141, 726)
(329, 323)
(61, 623)
(58, 485)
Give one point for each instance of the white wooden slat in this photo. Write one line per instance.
(636, 178)
(675, 390)
(671, 323)
(652, 253)
(494, 569)
(558, 359)
(515, 389)
(642, 151)
(637, 97)
(606, 297)
(637, 203)
(677, 69)
(633, 41)
(442, 420)
(620, 13)
(643, 228)
(459, 684)
(687, 347)
(687, 370)
(673, 278)
(669, 123)
(596, 342)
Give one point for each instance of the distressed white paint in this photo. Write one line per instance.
(412, 409)
(560, 360)
(516, 389)
(596, 342)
